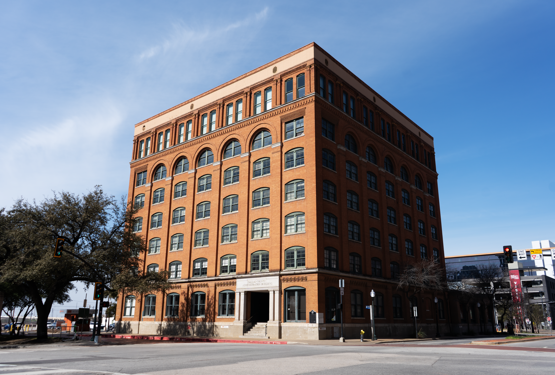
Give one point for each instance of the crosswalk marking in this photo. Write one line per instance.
(6, 369)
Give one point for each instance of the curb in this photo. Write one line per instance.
(189, 339)
(511, 341)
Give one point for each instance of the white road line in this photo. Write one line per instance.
(14, 369)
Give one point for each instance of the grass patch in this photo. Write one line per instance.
(519, 337)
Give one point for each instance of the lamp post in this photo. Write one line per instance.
(342, 291)
(479, 316)
(373, 294)
(437, 317)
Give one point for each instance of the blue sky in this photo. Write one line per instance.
(477, 75)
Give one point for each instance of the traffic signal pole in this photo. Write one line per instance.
(99, 315)
(94, 338)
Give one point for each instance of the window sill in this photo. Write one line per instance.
(331, 234)
(206, 165)
(327, 200)
(294, 200)
(263, 271)
(152, 253)
(183, 196)
(175, 251)
(390, 223)
(228, 274)
(374, 217)
(406, 204)
(264, 175)
(295, 268)
(233, 183)
(155, 228)
(149, 316)
(203, 218)
(200, 247)
(391, 197)
(262, 148)
(329, 169)
(379, 247)
(355, 241)
(291, 234)
(184, 172)
(230, 213)
(138, 231)
(225, 316)
(156, 204)
(295, 167)
(256, 208)
(197, 316)
(261, 238)
(352, 209)
(228, 243)
(178, 223)
(371, 188)
(350, 179)
(204, 191)
(298, 136)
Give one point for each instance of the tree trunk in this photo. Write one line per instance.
(43, 310)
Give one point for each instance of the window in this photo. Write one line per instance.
(154, 246)
(268, 99)
(365, 116)
(393, 243)
(423, 252)
(300, 85)
(371, 120)
(328, 130)
(405, 197)
(388, 132)
(397, 306)
(201, 237)
(198, 301)
(391, 216)
(356, 304)
(203, 210)
(288, 90)
(394, 270)
(167, 140)
(378, 302)
(404, 174)
(294, 257)
(383, 127)
(440, 309)
(232, 149)
(371, 180)
(204, 183)
(200, 267)
(260, 261)
(371, 155)
(175, 270)
(295, 304)
(156, 221)
(160, 173)
(231, 176)
(330, 92)
(257, 102)
(180, 190)
(330, 258)
(419, 204)
(138, 225)
(189, 130)
(141, 178)
(435, 253)
(353, 230)
(403, 142)
(294, 190)
(352, 200)
(355, 263)
(231, 204)
(421, 228)
(260, 229)
(261, 197)
(206, 158)
(329, 191)
(226, 303)
(229, 233)
(433, 232)
(261, 167)
(152, 268)
(430, 188)
(147, 150)
(409, 248)
(432, 210)
(229, 114)
(345, 100)
(352, 171)
(351, 144)
(160, 141)
(182, 166)
(294, 158)
(322, 86)
(352, 107)
(328, 159)
(374, 237)
(172, 305)
(398, 139)
(407, 222)
(150, 305)
(330, 224)
(129, 306)
(262, 139)
(158, 196)
(239, 110)
(178, 216)
(376, 267)
(373, 208)
(139, 201)
(176, 242)
(228, 264)
(388, 165)
(204, 124)
(332, 301)
(418, 182)
(141, 148)
(389, 191)
(294, 223)
(212, 121)
(294, 128)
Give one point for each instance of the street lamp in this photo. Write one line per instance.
(373, 294)
(437, 317)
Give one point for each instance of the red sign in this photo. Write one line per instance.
(516, 288)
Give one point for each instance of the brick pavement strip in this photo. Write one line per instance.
(509, 341)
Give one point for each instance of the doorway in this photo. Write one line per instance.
(260, 306)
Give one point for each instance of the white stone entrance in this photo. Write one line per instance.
(256, 284)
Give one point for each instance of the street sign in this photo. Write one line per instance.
(342, 292)
(548, 318)
(84, 313)
(368, 307)
(521, 254)
(341, 283)
(536, 254)
(415, 311)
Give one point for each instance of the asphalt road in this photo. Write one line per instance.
(444, 357)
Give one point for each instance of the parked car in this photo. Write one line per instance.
(52, 325)
(111, 327)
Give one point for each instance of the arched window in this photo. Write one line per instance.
(154, 246)
(330, 223)
(200, 267)
(332, 301)
(376, 267)
(294, 223)
(172, 305)
(175, 270)
(356, 304)
(294, 158)
(397, 306)
(294, 190)
(352, 171)
(201, 237)
(419, 204)
(388, 165)
(158, 196)
(371, 155)
(150, 305)
(288, 90)
(230, 204)
(156, 220)
(433, 232)
(409, 248)
(351, 144)
(353, 231)
(328, 130)
(404, 174)
(182, 166)
(295, 304)
(405, 197)
(205, 158)
(423, 252)
(139, 201)
(204, 183)
(203, 210)
(231, 176)
(328, 159)
(373, 208)
(407, 221)
(379, 308)
(432, 210)
(129, 306)
(371, 180)
(421, 228)
(294, 128)
(180, 190)
(294, 257)
(229, 233)
(300, 85)
(177, 242)
(260, 261)
(160, 173)
(330, 191)
(261, 197)
(374, 237)
(395, 270)
(393, 243)
(389, 191)
(226, 303)
(137, 225)
(152, 268)
(232, 149)
(330, 258)
(261, 167)
(355, 263)
(228, 264)
(352, 200)
(262, 139)
(418, 182)
(198, 302)
(391, 216)
(178, 216)
(260, 229)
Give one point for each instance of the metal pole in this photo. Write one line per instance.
(100, 314)
(437, 317)
(341, 312)
(374, 338)
(414, 312)
(94, 324)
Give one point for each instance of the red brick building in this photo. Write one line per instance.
(260, 194)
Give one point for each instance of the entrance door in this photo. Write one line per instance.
(260, 306)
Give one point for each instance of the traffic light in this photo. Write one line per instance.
(59, 248)
(98, 291)
(508, 251)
